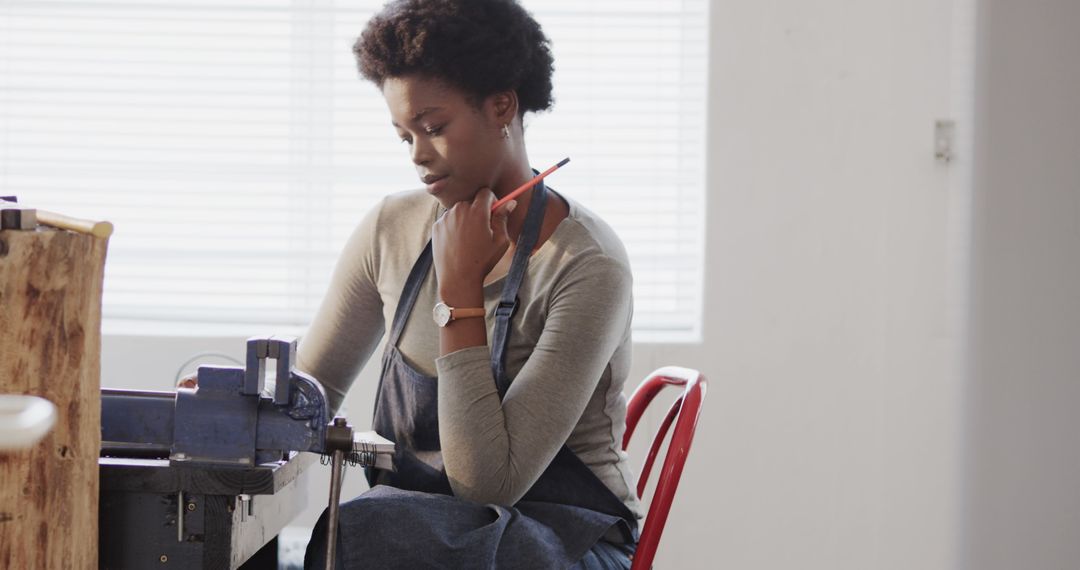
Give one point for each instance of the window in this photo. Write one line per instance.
(235, 147)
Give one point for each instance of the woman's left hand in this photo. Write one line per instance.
(467, 242)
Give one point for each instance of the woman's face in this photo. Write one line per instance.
(448, 137)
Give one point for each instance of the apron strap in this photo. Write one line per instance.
(508, 302)
(409, 293)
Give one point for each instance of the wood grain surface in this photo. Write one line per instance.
(50, 346)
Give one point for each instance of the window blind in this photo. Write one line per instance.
(235, 147)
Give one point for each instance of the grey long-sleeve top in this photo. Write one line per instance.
(568, 356)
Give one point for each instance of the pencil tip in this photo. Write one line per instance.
(563, 161)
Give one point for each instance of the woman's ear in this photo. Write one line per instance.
(503, 107)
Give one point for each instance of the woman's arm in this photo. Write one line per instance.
(494, 451)
(349, 323)
(467, 242)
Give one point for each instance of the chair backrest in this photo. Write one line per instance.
(684, 414)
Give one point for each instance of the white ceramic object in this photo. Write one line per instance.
(24, 420)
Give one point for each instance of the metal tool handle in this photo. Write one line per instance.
(339, 440)
(335, 499)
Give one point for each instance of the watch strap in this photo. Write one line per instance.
(459, 313)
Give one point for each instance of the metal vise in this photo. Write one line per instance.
(229, 448)
(225, 420)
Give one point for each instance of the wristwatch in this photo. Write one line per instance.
(443, 314)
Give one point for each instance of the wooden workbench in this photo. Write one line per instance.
(145, 501)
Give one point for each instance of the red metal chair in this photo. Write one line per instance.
(684, 414)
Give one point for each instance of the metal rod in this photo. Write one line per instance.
(180, 517)
(335, 498)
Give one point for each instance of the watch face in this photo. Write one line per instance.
(441, 313)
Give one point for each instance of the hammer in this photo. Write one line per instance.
(14, 216)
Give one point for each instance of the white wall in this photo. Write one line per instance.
(831, 427)
(831, 434)
(1022, 473)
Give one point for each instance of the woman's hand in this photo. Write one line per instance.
(189, 381)
(467, 242)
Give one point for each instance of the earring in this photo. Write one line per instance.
(506, 131)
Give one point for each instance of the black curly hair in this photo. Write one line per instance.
(478, 46)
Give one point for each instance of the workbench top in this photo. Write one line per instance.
(158, 476)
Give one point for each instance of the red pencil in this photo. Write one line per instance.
(528, 185)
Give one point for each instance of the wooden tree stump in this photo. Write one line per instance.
(50, 346)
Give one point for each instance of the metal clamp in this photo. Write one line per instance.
(16, 217)
(283, 350)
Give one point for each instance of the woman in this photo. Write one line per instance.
(507, 424)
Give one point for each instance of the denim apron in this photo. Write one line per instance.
(410, 518)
